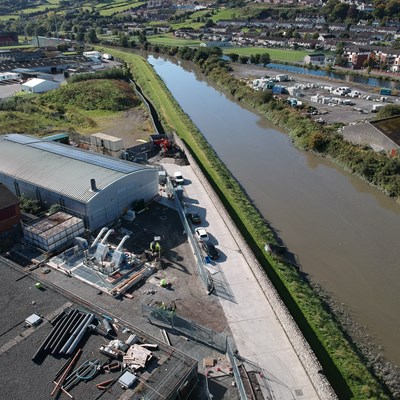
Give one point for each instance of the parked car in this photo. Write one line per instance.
(178, 177)
(194, 217)
(201, 234)
(210, 249)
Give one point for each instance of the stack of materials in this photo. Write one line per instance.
(69, 328)
(137, 356)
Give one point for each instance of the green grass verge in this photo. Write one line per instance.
(344, 367)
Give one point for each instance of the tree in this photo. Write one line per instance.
(123, 40)
(29, 206)
(265, 59)
(91, 36)
(390, 110)
(41, 31)
(235, 57)
(266, 96)
(340, 12)
(209, 23)
(255, 59)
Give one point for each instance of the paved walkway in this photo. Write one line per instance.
(246, 299)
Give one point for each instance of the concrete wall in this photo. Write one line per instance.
(366, 134)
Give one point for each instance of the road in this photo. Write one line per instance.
(261, 327)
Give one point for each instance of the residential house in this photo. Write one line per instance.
(356, 56)
(315, 59)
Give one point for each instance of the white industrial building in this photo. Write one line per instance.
(37, 85)
(97, 188)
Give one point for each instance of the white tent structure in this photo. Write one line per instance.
(37, 85)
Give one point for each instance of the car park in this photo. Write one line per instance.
(193, 217)
(201, 234)
(210, 250)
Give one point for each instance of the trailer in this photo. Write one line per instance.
(9, 76)
(282, 78)
(385, 92)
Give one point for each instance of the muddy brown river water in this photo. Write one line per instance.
(344, 233)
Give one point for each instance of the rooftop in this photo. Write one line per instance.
(389, 127)
(61, 168)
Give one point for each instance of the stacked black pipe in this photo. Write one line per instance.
(68, 330)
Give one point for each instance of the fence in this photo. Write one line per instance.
(204, 274)
(198, 333)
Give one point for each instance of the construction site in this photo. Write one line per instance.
(136, 308)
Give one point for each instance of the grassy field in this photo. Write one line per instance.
(117, 8)
(170, 40)
(7, 17)
(276, 54)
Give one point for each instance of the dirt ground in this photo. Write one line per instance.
(133, 126)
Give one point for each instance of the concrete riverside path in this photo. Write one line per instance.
(263, 330)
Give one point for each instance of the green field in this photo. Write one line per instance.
(117, 8)
(8, 17)
(170, 40)
(276, 54)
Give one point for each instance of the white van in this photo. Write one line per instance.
(344, 89)
(178, 178)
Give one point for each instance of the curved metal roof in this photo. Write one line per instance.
(60, 168)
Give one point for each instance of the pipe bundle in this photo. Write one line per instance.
(69, 329)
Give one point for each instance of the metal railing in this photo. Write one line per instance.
(197, 333)
(236, 372)
(202, 271)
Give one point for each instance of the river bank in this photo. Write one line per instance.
(253, 226)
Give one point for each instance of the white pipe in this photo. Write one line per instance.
(126, 237)
(107, 235)
(98, 237)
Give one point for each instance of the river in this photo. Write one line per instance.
(343, 232)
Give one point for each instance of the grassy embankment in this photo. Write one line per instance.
(72, 107)
(341, 362)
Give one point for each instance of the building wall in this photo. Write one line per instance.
(9, 217)
(107, 206)
(364, 134)
(110, 203)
